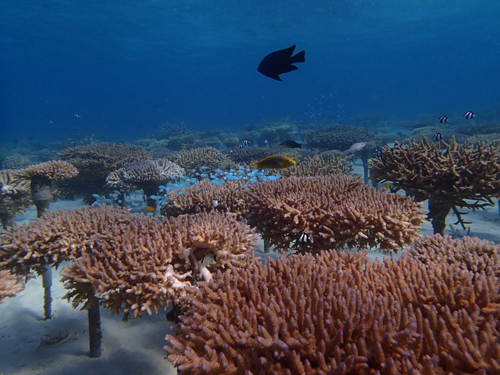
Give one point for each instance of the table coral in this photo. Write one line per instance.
(317, 213)
(145, 264)
(339, 313)
(447, 174)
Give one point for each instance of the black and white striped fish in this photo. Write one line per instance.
(438, 137)
(468, 115)
(443, 119)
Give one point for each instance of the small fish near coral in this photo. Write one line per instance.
(280, 62)
(290, 144)
(274, 162)
(468, 115)
(358, 146)
(438, 137)
(443, 119)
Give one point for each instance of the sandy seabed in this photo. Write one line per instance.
(131, 348)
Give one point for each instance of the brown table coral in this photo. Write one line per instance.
(95, 162)
(324, 164)
(42, 177)
(208, 157)
(145, 264)
(14, 196)
(145, 175)
(57, 237)
(9, 285)
(228, 198)
(448, 175)
(470, 253)
(317, 213)
(340, 314)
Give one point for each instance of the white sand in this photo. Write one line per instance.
(131, 348)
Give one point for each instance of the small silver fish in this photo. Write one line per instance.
(355, 148)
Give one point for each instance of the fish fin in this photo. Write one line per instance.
(299, 57)
(289, 50)
(276, 77)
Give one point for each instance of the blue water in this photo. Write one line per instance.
(127, 67)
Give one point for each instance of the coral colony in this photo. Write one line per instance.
(179, 230)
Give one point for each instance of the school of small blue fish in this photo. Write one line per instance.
(135, 201)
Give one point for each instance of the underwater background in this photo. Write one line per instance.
(126, 67)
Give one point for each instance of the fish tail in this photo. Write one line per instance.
(299, 57)
(256, 165)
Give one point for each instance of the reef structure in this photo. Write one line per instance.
(144, 175)
(310, 214)
(338, 313)
(470, 253)
(95, 162)
(228, 198)
(9, 285)
(42, 177)
(14, 196)
(448, 175)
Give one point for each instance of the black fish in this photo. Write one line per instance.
(438, 137)
(443, 119)
(280, 62)
(290, 144)
(468, 115)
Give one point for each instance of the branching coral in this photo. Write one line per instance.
(14, 195)
(42, 177)
(57, 237)
(340, 314)
(228, 198)
(470, 253)
(51, 170)
(325, 164)
(145, 264)
(248, 155)
(447, 174)
(193, 160)
(96, 161)
(9, 285)
(316, 213)
(337, 137)
(145, 175)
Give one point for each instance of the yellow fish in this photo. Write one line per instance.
(274, 162)
(149, 209)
